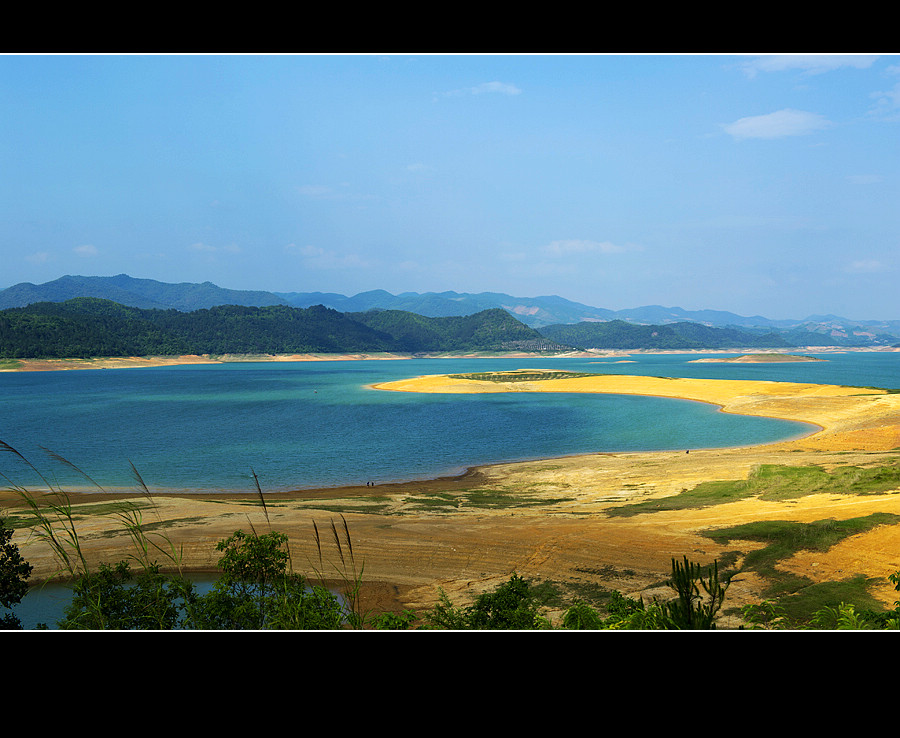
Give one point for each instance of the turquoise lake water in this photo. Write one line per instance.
(317, 424)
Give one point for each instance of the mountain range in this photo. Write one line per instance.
(535, 312)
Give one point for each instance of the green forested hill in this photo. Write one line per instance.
(618, 334)
(488, 330)
(536, 312)
(86, 327)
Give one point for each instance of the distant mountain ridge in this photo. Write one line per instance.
(535, 312)
(141, 293)
(620, 334)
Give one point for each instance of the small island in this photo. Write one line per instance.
(757, 359)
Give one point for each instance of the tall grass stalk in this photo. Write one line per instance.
(347, 572)
(131, 518)
(55, 520)
(265, 509)
(262, 499)
(55, 525)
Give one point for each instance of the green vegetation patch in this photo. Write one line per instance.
(782, 539)
(798, 598)
(486, 499)
(490, 499)
(802, 606)
(774, 482)
(522, 375)
(441, 502)
(703, 495)
(156, 526)
(777, 482)
(79, 512)
(336, 506)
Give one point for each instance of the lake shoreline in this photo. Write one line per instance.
(145, 362)
(136, 362)
(546, 518)
(838, 429)
(760, 398)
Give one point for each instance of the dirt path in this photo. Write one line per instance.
(548, 519)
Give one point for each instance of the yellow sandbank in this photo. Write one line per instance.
(850, 418)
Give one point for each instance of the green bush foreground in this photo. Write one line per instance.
(257, 590)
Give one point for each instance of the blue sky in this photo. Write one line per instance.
(759, 185)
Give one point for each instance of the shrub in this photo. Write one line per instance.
(14, 573)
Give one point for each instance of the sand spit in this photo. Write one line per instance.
(849, 417)
(757, 359)
(548, 519)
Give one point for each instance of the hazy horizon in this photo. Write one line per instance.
(757, 185)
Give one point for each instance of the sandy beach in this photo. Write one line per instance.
(143, 362)
(549, 519)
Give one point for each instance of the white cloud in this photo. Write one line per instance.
(293, 248)
(318, 258)
(314, 190)
(887, 103)
(865, 266)
(340, 192)
(408, 266)
(86, 251)
(807, 63)
(581, 246)
(864, 179)
(779, 124)
(41, 257)
(205, 248)
(501, 88)
(514, 256)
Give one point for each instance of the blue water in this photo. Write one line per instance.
(318, 424)
(45, 604)
(305, 425)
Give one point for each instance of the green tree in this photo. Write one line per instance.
(255, 591)
(115, 598)
(627, 613)
(581, 616)
(765, 615)
(512, 606)
(14, 574)
(394, 620)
